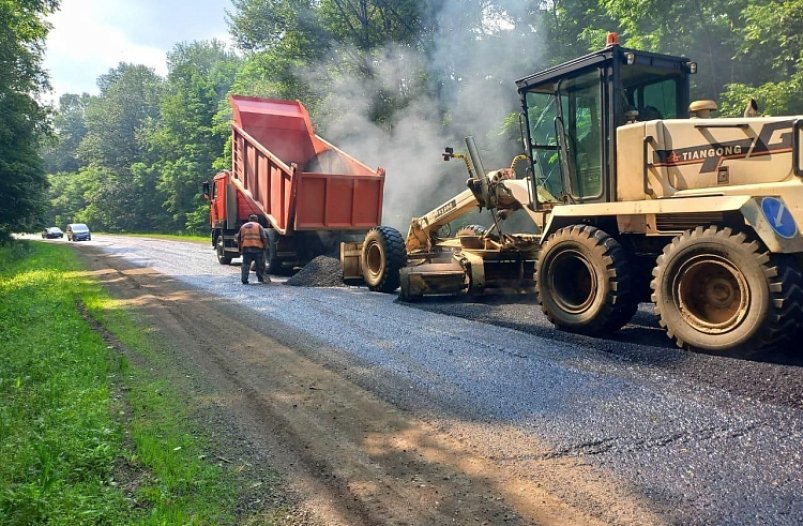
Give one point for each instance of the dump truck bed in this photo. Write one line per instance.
(296, 179)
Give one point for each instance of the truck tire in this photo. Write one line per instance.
(222, 257)
(383, 256)
(583, 281)
(272, 261)
(719, 290)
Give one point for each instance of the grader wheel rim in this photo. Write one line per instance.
(374, 259)
(573, 281)
(712, 294)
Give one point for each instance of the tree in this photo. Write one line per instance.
(186, 140)
(297, 47)
(22, 119)
(69, 125)
(370, 24)
(704, 31)
(290, 26)
(69, 195)
(772, 43)
(116, 121)
(569, 29)
(129, 98)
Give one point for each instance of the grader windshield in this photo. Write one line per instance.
(572, 112)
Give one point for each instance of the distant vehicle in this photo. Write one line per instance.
(78, 232)
(52, 232)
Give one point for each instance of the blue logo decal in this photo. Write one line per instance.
(780, 218)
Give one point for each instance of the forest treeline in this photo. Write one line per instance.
(23, 120)
(132, 158)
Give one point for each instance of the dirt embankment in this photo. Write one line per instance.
(349, 458)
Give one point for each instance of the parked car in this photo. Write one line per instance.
(52, 232)
(78, 232)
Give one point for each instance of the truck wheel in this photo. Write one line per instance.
(383, 256)
(583, 281)
(222, 257)
(718, 290)
(272, 260)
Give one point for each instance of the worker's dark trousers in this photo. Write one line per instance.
(249, 255)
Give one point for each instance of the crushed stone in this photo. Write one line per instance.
(323, 271)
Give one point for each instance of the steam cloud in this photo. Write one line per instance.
(479, 69)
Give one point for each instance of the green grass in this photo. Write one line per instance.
(85, 436)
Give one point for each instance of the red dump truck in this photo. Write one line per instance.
(307, 193)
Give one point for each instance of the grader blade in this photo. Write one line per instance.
(432, 279)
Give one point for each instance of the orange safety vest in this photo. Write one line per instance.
(249, 236)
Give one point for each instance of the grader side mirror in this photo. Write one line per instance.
(448, 153)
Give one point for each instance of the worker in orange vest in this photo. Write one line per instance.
(253, 239)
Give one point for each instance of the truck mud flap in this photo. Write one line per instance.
(350, 259)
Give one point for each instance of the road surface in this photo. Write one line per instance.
(458, 412)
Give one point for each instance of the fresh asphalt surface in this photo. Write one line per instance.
(704, 439)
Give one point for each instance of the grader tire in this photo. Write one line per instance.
(583, 281)
(220, 252)
(719, 290)
(383, 256)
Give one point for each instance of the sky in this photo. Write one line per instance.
(89, 37)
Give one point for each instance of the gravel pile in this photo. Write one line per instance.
(323, 271)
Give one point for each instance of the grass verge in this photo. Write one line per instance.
(86, 437)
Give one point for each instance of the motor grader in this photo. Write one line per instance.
(641, 196)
